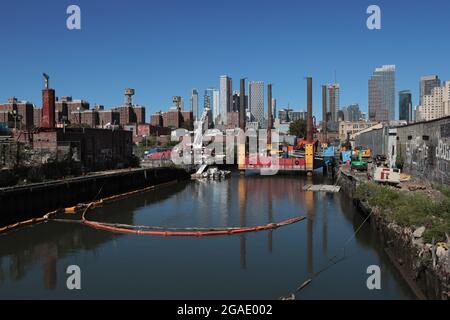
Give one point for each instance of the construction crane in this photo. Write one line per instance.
(198, 132)
(197, 146)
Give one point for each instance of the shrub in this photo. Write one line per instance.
(409, 209)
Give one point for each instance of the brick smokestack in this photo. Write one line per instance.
(242, 105)
(309, 121)
(48, 108)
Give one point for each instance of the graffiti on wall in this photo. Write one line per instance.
(443, 157)
(417, 154)
(443, 150)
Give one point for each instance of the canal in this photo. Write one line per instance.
(264, 265)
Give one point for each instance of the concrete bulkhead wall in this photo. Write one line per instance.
(35, 200)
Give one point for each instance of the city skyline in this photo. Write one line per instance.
(98, 72)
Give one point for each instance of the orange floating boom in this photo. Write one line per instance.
(216, 232)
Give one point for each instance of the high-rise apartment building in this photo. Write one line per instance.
(226, 98)
(194, 103)
(446, 98)
(427, 84)
(236, 101)
(382, 94)
(352, 113)
(215, 106)
(256, 102)
(333, 101)
(405, 106)
(437, 104)
(211, 101)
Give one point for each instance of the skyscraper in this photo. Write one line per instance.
(382, 94)
(333, 100)
(256, 102)
(216, 104)
(226, 99)
(352, 113)
(194, 103)
(208, 102)
(427, 84)
(405, 106)
(236, 101)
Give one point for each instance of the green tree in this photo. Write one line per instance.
(298, 128)
(147, 142)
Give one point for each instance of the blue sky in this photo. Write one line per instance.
(165, 48)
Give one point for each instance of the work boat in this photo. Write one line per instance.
(215, 174)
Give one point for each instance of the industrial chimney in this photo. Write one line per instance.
(309, 124)
(48, 105)
(324, 109)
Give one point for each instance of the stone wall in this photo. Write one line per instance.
(409, 254)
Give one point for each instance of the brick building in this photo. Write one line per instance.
(22, 109)
(70, 105)
(6, 118)
(96, 149)
(187, 120)
(172, 119)
(37, 117)
(108, 117)
(140, 114)
(126, 115)
(156, 119)
(90, 118)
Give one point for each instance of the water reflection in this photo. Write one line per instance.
(48, 242)
(195, 268)
(242, 194)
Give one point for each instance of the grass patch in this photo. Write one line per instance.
(410, 209)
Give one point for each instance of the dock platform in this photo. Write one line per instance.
(322, 188)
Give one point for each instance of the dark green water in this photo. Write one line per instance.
(264, 265)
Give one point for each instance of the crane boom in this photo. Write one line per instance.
(198, 133)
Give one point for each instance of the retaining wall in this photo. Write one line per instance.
(35, 200)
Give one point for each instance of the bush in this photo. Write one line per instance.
(409, 209)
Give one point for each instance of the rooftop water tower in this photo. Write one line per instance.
(178, 102)
(129, 93)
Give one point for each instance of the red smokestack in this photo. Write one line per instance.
(48, 108)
